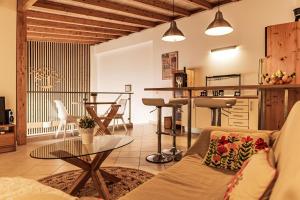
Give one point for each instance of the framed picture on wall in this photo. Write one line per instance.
(169, 64)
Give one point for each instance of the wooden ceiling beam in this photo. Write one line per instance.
(45, 39)
(67, 26)
(54, 6)
(28, 3)
(126, 9)
(34, 29)
(67, 37)
(165, 6)
(81, 21)
(225, 2)
(203, 3)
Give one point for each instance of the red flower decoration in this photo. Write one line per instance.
(216, 158)
(223, 140)
(260, 144)
(247, 139)
(222, 149)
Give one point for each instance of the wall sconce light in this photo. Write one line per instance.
(224, 53)
(229, 48)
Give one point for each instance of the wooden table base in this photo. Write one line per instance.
(91, 169)
(103, 122)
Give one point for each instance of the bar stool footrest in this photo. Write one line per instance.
(175, 153)
(159, 158)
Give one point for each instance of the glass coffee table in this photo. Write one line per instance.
(78, 154)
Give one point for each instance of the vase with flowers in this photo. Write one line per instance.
(86, 129)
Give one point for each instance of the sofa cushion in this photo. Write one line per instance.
(18, 188)
(188, 179)
(286, 150)
(229, 150)
(41, 196)
(253, 180)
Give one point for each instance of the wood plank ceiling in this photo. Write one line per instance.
(97, 21)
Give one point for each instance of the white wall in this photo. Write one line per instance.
(249, 19)
(8, 16)
(114, 70)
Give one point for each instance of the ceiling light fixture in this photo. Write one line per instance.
(219, 26)
(173, 34)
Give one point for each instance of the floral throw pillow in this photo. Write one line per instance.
(231, 150)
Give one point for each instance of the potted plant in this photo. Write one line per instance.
(86, 129)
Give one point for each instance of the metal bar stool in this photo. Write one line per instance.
(175, 103)
(215, 104)
(158, 157)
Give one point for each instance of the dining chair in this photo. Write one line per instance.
(64, 118)
(120, 114)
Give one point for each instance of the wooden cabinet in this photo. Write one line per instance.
(7, 138)
(243, 115)
(282, 52)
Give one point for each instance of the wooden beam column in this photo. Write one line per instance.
(28, 3)
(21, 74)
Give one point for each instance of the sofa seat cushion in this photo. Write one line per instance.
(18, 188)
(188, 179)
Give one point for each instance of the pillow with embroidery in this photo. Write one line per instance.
(230, 150)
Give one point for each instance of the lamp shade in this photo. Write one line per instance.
(173, 34)
(219, 26)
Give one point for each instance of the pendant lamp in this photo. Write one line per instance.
(173, 34)
(219, 26)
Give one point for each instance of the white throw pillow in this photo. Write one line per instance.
(254, 178)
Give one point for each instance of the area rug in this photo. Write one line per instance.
(130, 179)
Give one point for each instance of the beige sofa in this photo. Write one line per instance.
(189, 179)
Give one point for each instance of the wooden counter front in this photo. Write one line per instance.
(275, 100)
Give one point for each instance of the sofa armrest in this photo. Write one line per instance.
(201, 144)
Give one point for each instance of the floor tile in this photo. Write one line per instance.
(20, 163)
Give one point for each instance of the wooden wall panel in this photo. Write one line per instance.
(72, 63)
(282, 48)
(282, 52)
(21, 74)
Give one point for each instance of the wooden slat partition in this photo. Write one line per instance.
(72, 63)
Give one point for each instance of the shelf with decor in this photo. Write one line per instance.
(182, 78)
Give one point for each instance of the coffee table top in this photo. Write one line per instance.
(74, 147)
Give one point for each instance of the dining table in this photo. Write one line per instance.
(261, 90)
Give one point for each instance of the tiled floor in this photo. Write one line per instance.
(19, 163)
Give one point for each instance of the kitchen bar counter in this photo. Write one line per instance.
(261, 89)
(242, 87)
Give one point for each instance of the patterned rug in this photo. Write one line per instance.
(130, 179)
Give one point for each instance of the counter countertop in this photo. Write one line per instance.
(242, 87)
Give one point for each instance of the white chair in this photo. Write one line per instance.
(64, 118)
(120, 114)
